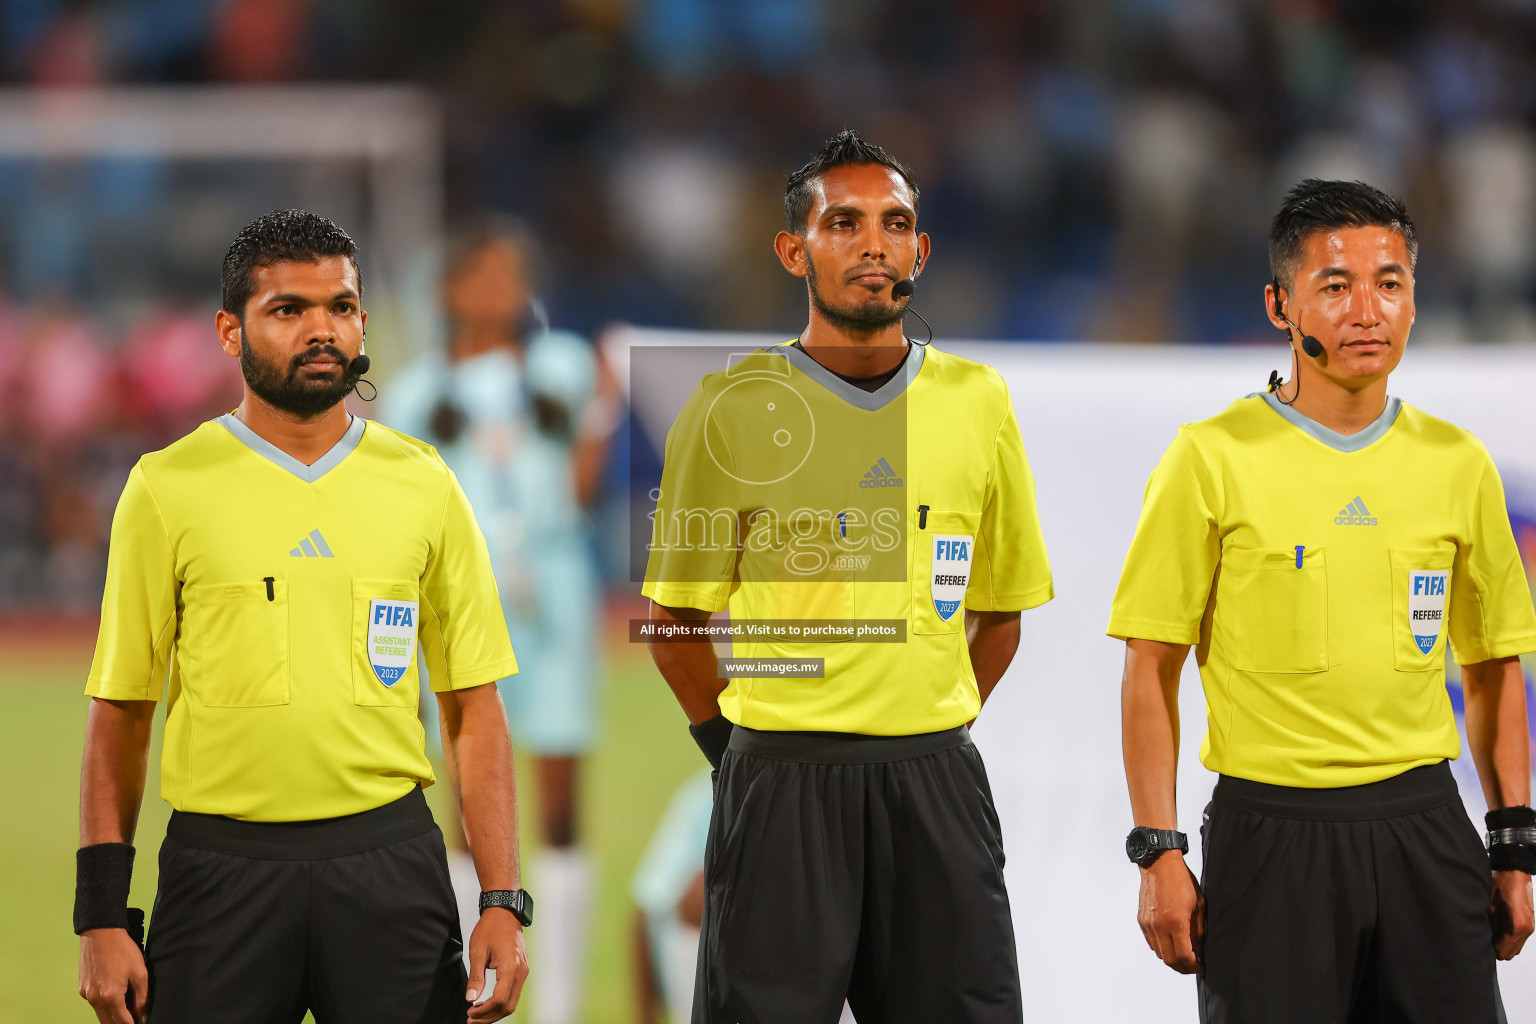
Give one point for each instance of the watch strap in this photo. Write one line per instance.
(1512, 836)
(516, 900)
(1163, 839)
(1157, 841)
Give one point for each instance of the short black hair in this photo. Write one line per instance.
(845, 149)
(1314, 205)
(282, 236)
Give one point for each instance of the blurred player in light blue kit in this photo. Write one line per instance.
(668, 891)
(516, 411)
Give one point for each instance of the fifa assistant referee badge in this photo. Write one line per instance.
(1144, 845)
(516, 900)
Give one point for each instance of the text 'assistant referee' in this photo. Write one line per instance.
(391, 638)
(1426, 605)
(951, 572)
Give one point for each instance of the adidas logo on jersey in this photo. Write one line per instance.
(1354, 514)
(313, 546)
(881, 475)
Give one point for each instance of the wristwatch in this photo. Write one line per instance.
(516, 900)
(1144, 845)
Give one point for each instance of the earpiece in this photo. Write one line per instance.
(1310, 345)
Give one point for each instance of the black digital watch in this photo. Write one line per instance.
(516, 900)
(1144, 845)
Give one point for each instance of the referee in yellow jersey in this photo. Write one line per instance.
(1319, 545)
(854, 852)
(283, 563)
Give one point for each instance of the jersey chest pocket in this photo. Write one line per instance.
(1421, 590)
(1271, 613)
(386, 616)
(943, 551)
(235, 636)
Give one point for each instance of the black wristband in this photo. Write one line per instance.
(1519, 816)
(102, 874)
(1512, 839)
(1512, 857)
(713, 737)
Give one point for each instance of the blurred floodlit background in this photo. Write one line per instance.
(1091, 170)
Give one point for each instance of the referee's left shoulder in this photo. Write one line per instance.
(408, 453)
(1439, 433)
(979, 382)
(404, 444)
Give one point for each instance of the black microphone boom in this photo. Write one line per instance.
(905, 289)
(1311, 346)
(355, 370)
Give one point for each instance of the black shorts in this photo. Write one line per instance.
(861, 867)
(351, 918)
(1346, 906)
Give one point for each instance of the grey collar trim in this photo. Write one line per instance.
(275, 455)
(1332, 438)
(869, 401)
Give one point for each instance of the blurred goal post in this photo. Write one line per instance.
(390, 137)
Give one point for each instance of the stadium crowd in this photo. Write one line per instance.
(1096, 170)
(77, 408)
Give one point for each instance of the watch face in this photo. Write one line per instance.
(1136, 845)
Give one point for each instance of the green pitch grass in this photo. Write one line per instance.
(644, 755)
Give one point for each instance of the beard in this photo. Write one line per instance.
(864, 318)
(282, 388)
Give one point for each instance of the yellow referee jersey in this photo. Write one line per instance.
(788, 493)
(288, 602)
(1320, 576)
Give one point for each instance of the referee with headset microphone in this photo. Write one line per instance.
(1320, 545)
(847, 476)
(283, 563)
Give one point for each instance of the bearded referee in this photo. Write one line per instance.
(1319, 545)
(283, 562)
(854, 852)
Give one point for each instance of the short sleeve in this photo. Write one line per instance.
(1010, 570)
(1166, 581)
(464, 631)
(696, 528)
(1491, 614)
(138, 606)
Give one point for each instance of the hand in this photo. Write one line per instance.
(1511, 913)
(690, 906)
(497, 943)
(113, 978)
(1172, 913)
